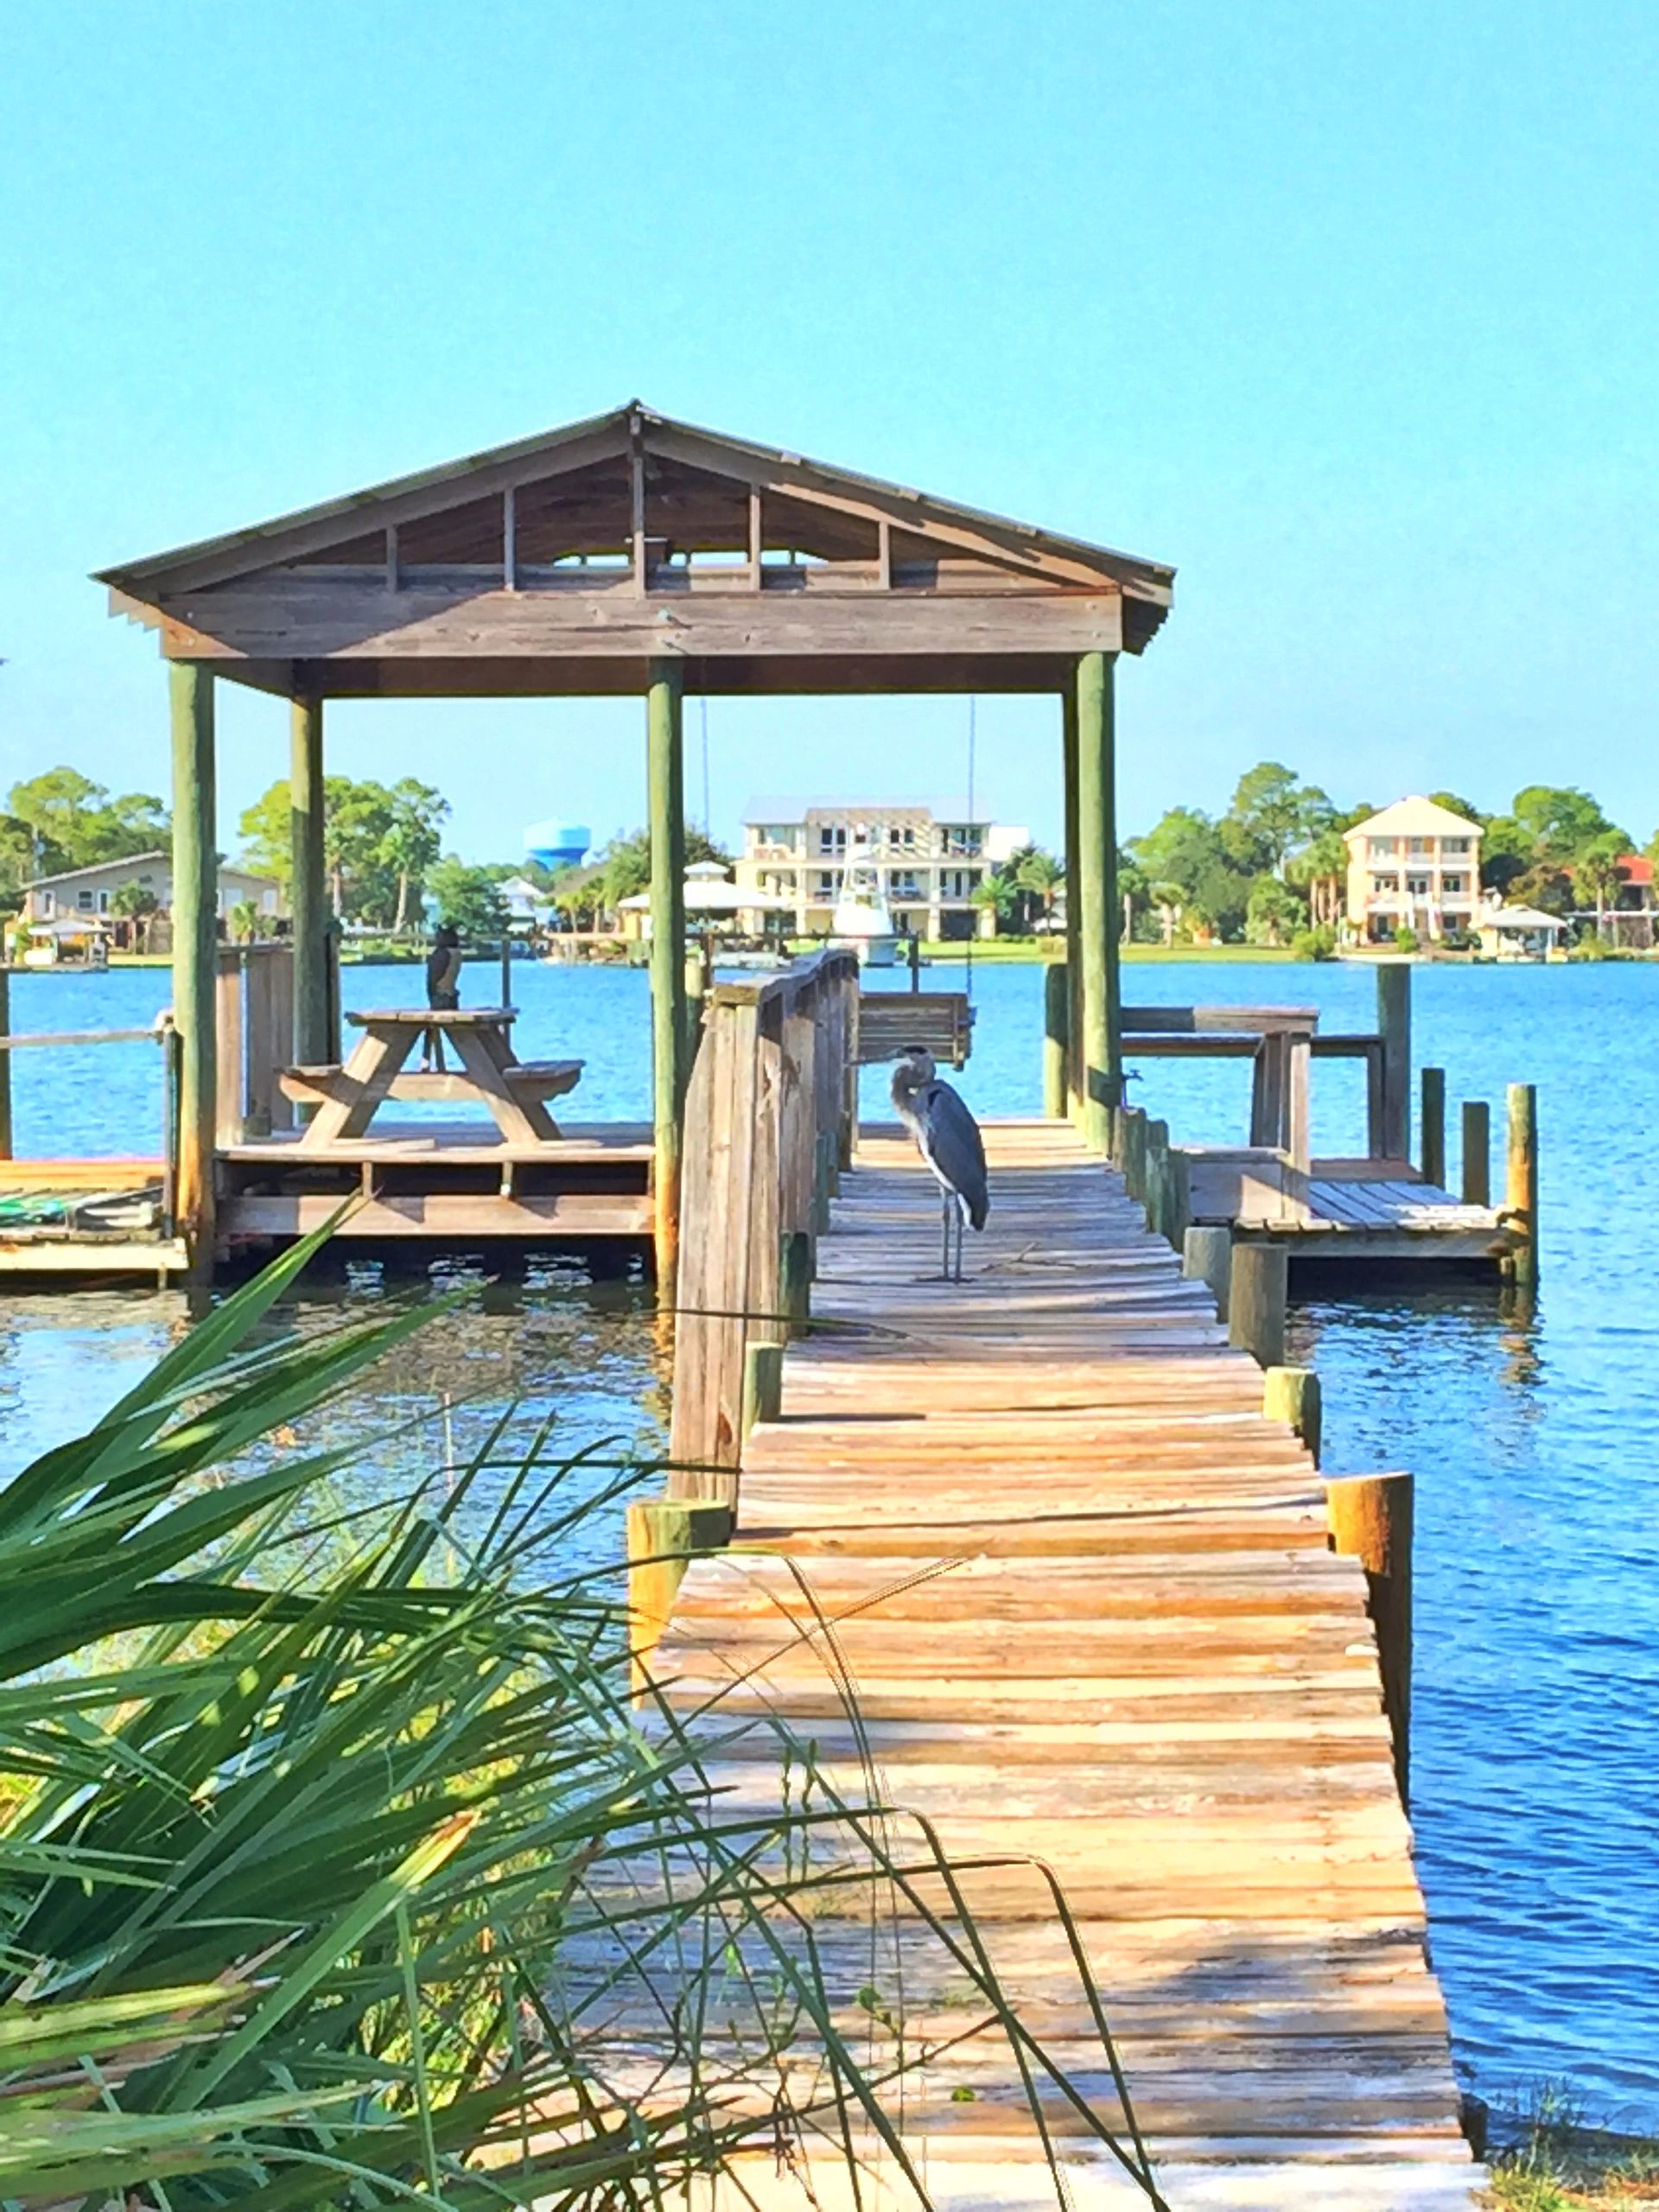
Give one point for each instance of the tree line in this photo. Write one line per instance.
(1271, 869)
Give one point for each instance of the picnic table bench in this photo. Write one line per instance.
(348, 1095)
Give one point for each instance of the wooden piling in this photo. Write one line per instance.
(763, 1383)
(1394, 1028)
(1057, 986)
(1432, 1140)
(1073, 907)
(1476, 1161)
(795, 1281)
(1154, 1193)
(1256, 1301)
(5, 1062)
(506, 967)
(309, 897)
(665, 1535)
(1292, 1395)
(1097, 890)
(1132, 1123)
(665, 779)
(1521, 1178)
(1207, 1258)
(195, 900)
(1371, 1519)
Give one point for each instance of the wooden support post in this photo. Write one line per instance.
(195, 900)
(1155, 1177)
(1073, 908)
(665, 776)
(1207, 1258)
(1178, 1168)
(5, 1060)
(1256, 1301)
(1432, 1134)
(913, 961)
(309, 898)
(1371, 1520)
(697, 972)
(1476, 1161)
(1132, 1123)
(1292, 1395)
(1520, 1180)
(664, 1536)
(507, 966)
(1056, 991)
(763, 1383)
(823, 1170)
(795, 1281)
(1394, 1026)
(229, 1041)
(1098, 902)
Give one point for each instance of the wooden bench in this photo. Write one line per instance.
(941, 1022)
(538, 1079)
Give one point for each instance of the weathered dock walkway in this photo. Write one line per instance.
(1144, 1669)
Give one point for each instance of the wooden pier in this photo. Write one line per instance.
(1143, 1667)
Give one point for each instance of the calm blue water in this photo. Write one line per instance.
(1531, 1434)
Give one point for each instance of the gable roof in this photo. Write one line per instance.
(616, 435)
(1415, 818)
(159, 856)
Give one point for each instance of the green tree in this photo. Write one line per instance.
(1596, 874)
(625, 864)
(414, 840)
(1276, 812)
(1274, 913)
(468, 896)
(1506, 852)
(1561, 819)
(1455, 805)
(1039, 874)
(81, 823)
(359, 826)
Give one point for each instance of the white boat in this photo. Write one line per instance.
(861, 924)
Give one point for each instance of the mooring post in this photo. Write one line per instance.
(1256, 1301)
(507, 966)
(309, 896)
(1477, 1162)
(1132, 1121)
(795, 1281)
(1098, 886)
(1521, 1180)
(1432, 1110)
(1394, 1028)
(1057, 988)
(1371, 1520)
(665, 777)
(1207, 1258)
(6, 1057)
(195, 900)
(1292, 1394)
(1155, 1177)
(763, 1383)
(664, 1536)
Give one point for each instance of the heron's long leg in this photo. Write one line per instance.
(945, 1235)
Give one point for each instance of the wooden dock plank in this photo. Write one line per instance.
(1037, 1526)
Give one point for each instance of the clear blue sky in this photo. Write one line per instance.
(1347, 310)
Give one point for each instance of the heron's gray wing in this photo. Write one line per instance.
(954, 1147)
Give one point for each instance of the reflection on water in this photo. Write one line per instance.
(1530, 1434)
(536, 1358)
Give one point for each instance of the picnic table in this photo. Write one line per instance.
(348, 1097)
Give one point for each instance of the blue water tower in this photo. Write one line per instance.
(558, 844)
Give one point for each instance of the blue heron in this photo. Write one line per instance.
(948, 1139)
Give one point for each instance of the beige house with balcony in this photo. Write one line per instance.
(1415, 866)
(88, 893)
(925, 861)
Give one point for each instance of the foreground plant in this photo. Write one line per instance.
(335, 1870)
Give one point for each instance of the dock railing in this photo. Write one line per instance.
(770, 1116)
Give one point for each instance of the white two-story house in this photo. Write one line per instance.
(1413, 866)
(926, 862)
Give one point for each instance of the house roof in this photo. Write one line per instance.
(137, 860)
(1519, 917)
(1415, 817)
(1636, 868)
(758, 811)
(592, 442)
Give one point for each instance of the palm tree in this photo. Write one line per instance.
(1169, 898)
(1041, 874)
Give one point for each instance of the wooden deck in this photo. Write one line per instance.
(1142, 1667)
(85, 1219)
(449, 1182)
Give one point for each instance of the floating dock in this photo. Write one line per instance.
(1142, 1667)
